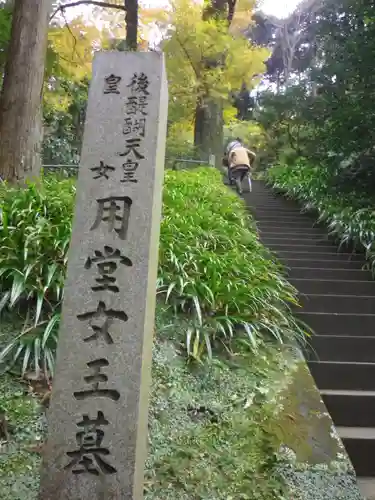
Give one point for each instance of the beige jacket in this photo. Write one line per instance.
(241, 156)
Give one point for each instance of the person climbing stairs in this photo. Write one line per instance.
(338, 302)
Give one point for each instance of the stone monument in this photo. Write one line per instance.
(98, 414)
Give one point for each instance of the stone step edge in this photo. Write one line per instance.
(349, 393)
(367, 487)
(366, 433)
(319, 237)
(346, 337)
(317, 313)
(294, 237)
(340, 363)
(310, 255)
(323, 245)
(325, 268)
(330, 280)
(331, 295)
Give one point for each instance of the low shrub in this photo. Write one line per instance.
(34, 238)
(350, 216)
(212, 266)
(213, 427)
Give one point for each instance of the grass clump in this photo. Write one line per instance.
(19, 463)
(349, 215)
(212, 267)
(212, 432)
(211, 425)
(34, 238)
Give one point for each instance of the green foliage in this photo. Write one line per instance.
(19, 468)
(5, 29)
(64, 122)
(211, 426)
(68, 70)
(349, 216)
(213, 267)
(320, 127)
(206, 60)
(34, 238)
(180, 142)
(325, 114)
(318, 482)
(73, 45)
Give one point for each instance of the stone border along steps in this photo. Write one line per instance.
(338, 303)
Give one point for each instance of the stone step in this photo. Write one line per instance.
(263, 193)
(282, 239)
(362, 325)
(315, 285)
(314, 232)
(354, 304)
(324, 255)
(279, 218)
(283, 217)
(284, 207)
(257, 198)
(314, 248)
(279, 213)
(269, 206)
(343, 376)
(272, 205)
(338, 267)
(342, 356)
(300, 241)
(360, 447)
(367, 487)
(277, 229)
(264, 210)
(260, 198)
(290, 224)
(350, 408)
(341, 348)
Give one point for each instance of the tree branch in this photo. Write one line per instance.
(196, 71)
(98, 3)
(72, 34)
(231, 10)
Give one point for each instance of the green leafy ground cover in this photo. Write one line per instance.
(216, 429)
(211, 427)
(212, 268)
(220, 356)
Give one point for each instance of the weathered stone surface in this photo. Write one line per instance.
(98, 413)
(319, 466)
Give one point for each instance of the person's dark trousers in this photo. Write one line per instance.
(230, 178)
(238, 174)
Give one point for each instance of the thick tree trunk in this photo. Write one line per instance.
(208, 130)
(209, 122)
(131, 19)
(21, 128)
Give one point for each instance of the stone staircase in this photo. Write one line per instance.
(338, 303)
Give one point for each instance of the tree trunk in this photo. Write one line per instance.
(21, 128)
(131, 19)
(208, 129)
(209, 121)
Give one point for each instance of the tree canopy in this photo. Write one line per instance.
(324, 111)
